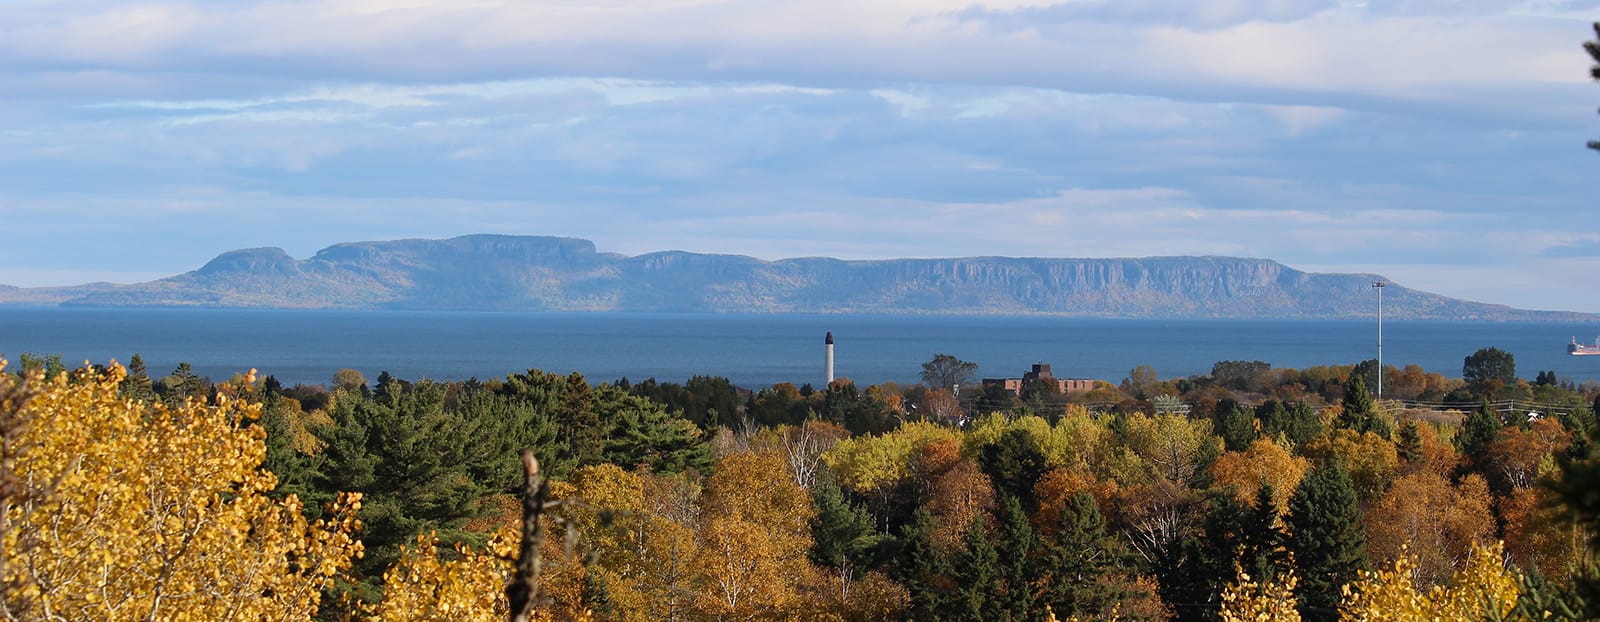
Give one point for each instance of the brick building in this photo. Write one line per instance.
(1041, 371)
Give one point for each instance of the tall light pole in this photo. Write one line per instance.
(1378, 285)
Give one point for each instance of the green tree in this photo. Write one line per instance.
(1296, 421)
(1261, 544)
(1579, 491)
(974, 569)
(1410, 445)
(1593, 48)
(1358, 411)
(944, 371)
(1326, 539)
(412, 461)
(1478, 431)
(182, 383)
(1017, 573)
(1015, 463)
(842, 535)
(1081, 554)
(921, 569)
(1240, 375)
(1237, 425)
(138, 386)
(1488, 369)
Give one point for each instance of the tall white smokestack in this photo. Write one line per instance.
(829, 342)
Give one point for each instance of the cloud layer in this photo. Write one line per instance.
(1427, 141)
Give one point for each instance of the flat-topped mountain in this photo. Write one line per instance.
(498, 272)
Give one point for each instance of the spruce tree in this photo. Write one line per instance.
(1014, 598)
(1410, 445)
(1194, 573)
(842, 534)
(137, 385)
(1478, 431)
(1236, 424)
(1261, 541)
(1015, 463)
(1326, 539)
(1074, 563)
(921, 570)
(1359, 413)
(1579, 490)
(974, 569)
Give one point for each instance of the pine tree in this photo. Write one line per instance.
(412, 461)
(1593, 48)
(1579, 490)
(1261, 543)
(1195, 572)
(1359, 413)
(1080, 555)
(1236, 424)
(138, 386)
(1015, 463)
(1326, 539)
(974, 570)
(921, 570)
(842, 535)
(1410, 445)
(1014, 598)
(1478, 431)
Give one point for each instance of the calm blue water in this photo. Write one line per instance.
(752, 350)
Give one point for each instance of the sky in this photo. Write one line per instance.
(1439, 143)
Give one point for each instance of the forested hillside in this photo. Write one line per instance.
(532, 273)
(1249, 493)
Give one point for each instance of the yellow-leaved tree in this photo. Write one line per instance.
(1482, 589)
(116, 509)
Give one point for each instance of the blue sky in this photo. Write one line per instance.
(1438, 143)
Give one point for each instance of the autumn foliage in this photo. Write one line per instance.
(133, 511)
(128, 500)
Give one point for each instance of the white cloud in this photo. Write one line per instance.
(1311, 131)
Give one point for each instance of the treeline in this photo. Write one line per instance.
(1200, 498)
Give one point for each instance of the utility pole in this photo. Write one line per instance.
(1378, 285)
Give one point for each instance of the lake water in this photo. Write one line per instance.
(751, 350)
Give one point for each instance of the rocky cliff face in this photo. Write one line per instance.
(495, 272)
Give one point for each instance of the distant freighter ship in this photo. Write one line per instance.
(1578, 349)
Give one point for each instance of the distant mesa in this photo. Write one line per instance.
(532, 273)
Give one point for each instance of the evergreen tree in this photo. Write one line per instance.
(1489, 369)
(137, 385)
(293, 469)
(1261, 544)
(1359, 413)
(1478, 431)
(842, 535)
(1299, 424)
(640, 433)
(1593, 48)
(181, 384)
(1236, 424)
(412, 461)
(1579, 490)
(1074, 563)
(921, 570)
(1015, 463)
(1410, 445)
(974, 570)
(1326, 539)
(1194, 573)
(610, 425)
(1014, 597)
